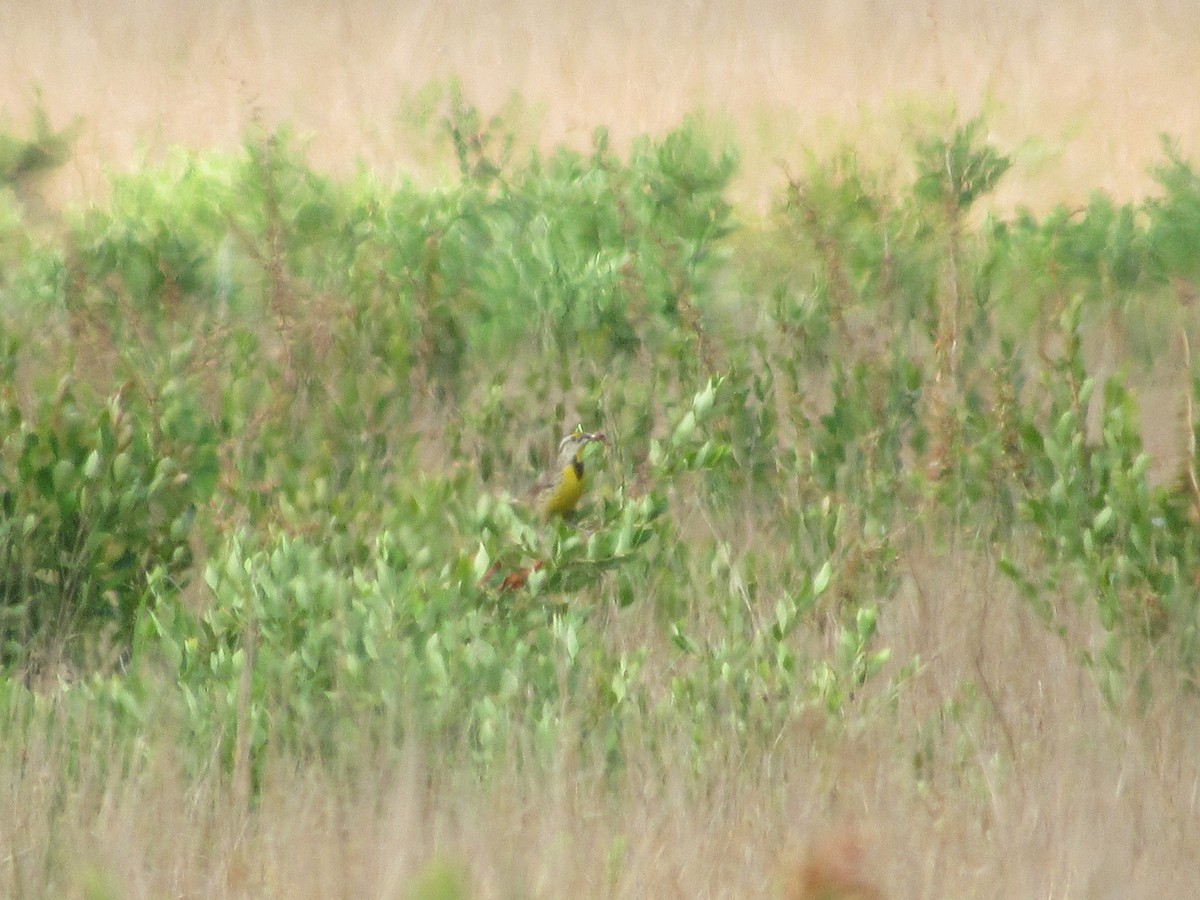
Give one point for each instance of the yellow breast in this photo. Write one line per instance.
(566, 496)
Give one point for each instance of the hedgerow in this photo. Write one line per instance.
(279, 477)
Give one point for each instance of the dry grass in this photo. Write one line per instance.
(1031, 787)
(1080, 89)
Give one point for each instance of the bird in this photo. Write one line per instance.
(555, 494)
(559, 490)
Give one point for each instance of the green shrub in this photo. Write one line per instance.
(878, 366)
(1174, 219)
(25, 158)
(94, 495)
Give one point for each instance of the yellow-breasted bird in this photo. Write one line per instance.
(558, 491)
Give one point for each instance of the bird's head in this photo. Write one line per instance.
(570, 448)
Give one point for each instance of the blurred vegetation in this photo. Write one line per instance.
(262, 430)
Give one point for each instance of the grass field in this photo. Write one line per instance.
(991, 757)
(1083, 805)
(1081, 90)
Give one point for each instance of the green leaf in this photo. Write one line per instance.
(703, 401)
(822, 578)
(91, 467)
(481, 563)
(684, 430)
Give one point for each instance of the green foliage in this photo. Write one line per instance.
(336, 386)
(954, 172)
(31, 267)
(1127, 546)
(25, 158)
(1174, 218)
(297, 649)
(201, 230)
(93, 496)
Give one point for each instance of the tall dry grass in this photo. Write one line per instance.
(1080, 89)
(1029, 786)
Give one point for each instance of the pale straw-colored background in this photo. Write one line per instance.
(1078, 91)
